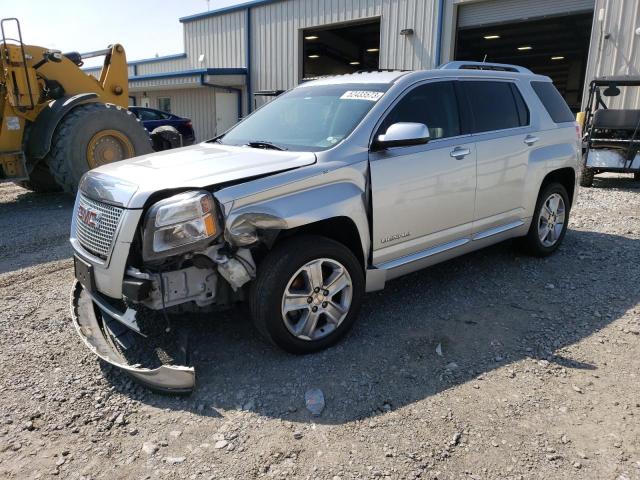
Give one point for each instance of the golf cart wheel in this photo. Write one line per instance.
(586, 176)
(307, 293)
(549, 221)
(92, 135)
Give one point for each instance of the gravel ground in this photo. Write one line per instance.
(490, 366)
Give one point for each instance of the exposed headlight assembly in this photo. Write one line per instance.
(179, 224)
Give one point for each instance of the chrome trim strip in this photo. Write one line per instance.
(497, 230)
(422, 254)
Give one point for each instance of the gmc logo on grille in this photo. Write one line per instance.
(89, 217)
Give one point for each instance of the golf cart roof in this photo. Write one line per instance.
(620, 80)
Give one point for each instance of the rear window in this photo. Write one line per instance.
(553, 102)
(495, 105)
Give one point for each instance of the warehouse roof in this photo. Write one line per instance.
(231, 8)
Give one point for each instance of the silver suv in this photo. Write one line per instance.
(323, 194)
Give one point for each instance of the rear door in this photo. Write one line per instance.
(504, 139)
(423, 195)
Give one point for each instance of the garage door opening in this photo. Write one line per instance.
(340, 49)
(554, 46)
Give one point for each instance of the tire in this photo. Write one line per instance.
(636, 176)
(165, 138)
(532, 242)
(92, 135)
(586, 176)
(41, 180)
(276, 273)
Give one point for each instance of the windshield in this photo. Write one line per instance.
(309, 118)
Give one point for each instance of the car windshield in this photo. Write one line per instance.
(308, 118)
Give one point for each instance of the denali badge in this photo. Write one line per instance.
(397, 236)
(89, 217)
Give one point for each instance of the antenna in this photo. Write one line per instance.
(208, 5)
(485, 58)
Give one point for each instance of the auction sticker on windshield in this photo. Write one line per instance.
(370, 95)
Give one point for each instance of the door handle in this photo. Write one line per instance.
(459, 153)
(530, 139)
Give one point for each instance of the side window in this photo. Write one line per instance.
(144, 114)
(433, 104)
(558, 109)
(495, 105)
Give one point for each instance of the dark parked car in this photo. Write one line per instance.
(152, 119)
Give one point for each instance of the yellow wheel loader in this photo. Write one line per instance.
(57, 121)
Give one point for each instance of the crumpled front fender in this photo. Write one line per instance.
(165, 379)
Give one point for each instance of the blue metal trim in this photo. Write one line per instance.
(439, 38)
(229, 9)
(190, 73)
(248, 60)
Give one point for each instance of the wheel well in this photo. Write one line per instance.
(564, 176)
(340, 229)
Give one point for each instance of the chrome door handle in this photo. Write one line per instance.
(459, 153)
(530, 139)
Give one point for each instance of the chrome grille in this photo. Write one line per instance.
(98, 239)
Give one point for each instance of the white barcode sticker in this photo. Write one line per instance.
(369, 95)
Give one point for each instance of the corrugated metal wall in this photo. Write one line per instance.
(620, 53)
(220, 38)
(496, 11)
(198, 104)
(163, 66)
(276, 34)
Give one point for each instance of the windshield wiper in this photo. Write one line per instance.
(265, 145)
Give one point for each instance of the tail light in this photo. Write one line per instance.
(578, 131)
(189, 124)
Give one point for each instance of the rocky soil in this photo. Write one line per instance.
(491, 366)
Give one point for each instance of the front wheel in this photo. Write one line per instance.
(549, 222)
(307, 293)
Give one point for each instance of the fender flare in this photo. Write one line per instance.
(41, 132)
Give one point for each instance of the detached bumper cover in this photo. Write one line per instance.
(165, 379)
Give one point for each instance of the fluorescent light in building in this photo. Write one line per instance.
(525, 47)
(314, 56)
(559, 57)
(491, 37)
(311, 37)
(373, 50)
(354, 63)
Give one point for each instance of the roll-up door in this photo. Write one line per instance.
(499, 11)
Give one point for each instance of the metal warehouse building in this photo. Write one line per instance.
(233, 56)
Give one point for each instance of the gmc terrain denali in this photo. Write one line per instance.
(323, 194)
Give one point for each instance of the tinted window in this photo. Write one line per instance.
(553, 102)
(149, 115)
(494, 105)
(433, 104)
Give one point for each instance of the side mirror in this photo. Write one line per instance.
(403, 134)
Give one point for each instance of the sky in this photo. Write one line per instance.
(144, 27)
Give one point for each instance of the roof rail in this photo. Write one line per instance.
(499, 67)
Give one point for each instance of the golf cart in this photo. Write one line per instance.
(611, 141)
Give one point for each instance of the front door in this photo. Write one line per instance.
(423, 195)
(226, 110)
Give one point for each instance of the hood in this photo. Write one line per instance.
(130, 182)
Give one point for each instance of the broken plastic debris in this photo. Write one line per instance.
(314, 400)
(439, 349)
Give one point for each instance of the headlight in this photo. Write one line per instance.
(178, 224)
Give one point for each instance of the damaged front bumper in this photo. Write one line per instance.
(87, 318)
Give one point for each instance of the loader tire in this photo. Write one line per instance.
(41, 180)
(92, 135)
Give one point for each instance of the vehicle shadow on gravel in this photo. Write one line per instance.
(427, 332)
(35, 229)
(621, 183)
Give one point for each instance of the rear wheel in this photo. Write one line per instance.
(41, 180)
(586, 176)
(636, 176)
(307, 294)
(93, 135)
(549, 222)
